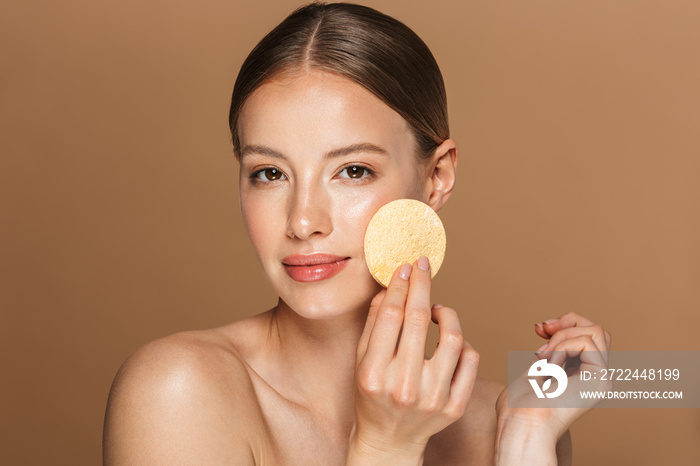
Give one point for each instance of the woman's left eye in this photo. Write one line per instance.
(355, 172)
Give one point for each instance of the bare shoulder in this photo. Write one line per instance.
(480, 421)
(470, 440)
(483, 402)
(186, 398)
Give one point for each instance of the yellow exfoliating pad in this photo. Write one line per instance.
(400, 232)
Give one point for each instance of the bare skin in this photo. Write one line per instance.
(323, 378)
(227, 413)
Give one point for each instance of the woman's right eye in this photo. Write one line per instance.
(267, 174)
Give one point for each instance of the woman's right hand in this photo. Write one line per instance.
(402, 398)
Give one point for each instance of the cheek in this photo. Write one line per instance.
(259, 220)
(356, 212)
(353, 212)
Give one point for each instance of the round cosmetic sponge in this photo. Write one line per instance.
(400, 232)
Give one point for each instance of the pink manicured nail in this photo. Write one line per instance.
(437, 306)
(405, 271)
(539, 324)
(550, 321)
(423, 263)
(541, 348)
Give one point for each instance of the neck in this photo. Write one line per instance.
(317, 359)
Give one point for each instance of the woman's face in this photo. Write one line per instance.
(319, 156)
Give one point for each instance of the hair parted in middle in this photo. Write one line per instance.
(370, 48)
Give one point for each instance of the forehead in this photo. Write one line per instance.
(318, 111)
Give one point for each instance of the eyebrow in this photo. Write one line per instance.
(340, 152)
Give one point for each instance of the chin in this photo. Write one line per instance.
(331, 298)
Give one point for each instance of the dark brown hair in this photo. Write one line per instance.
(370, 48)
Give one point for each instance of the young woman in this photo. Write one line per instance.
(337, 111)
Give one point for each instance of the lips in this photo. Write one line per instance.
(313, 267)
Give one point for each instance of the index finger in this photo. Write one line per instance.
(570, 319)
(381, 344)
(417, 316)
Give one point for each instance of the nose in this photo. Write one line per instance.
(309, 213)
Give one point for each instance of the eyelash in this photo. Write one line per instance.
(367, 175)
(254, 177)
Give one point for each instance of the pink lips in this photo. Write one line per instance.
(313, 267)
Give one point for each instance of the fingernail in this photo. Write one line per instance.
(539, 324)
(423, 263)
(538, 350)
(405, 271)
(550, 321)
(436, 306)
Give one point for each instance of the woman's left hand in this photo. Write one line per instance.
(522, 417)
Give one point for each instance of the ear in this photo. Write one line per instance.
(441, 175)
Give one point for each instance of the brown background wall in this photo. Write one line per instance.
(578, 190)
